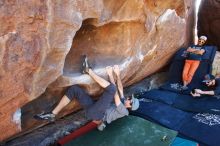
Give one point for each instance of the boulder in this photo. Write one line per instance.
(215, 65)
(209, 20)
(42, 42)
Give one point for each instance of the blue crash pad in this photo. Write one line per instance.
(188, 103)
(203, 128)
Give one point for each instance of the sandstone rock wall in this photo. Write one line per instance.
(42, 40)
(216, 65)
(209, 20)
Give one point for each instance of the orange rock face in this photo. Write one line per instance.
(42, 41)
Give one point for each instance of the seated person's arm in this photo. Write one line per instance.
(190, 49)
(208, 92)
(201, 52)
(204, 92)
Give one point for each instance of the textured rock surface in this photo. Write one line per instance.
(42, 40)
(48, 135)
(209, 20)
(216, 65)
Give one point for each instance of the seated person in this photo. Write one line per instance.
(212, 87)
(110, 106)
(192, 61)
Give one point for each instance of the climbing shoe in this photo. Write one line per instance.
(45, 116)
(85, 65)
